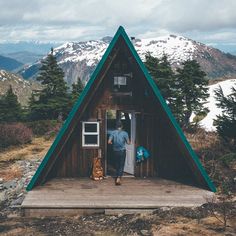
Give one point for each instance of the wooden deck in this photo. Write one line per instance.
(84, 196)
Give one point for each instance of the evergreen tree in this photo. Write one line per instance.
(192, 88)
(77, 89)
(53, 100)
(10, 108)
(226, 123)
(165, 79)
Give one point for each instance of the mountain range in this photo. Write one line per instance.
(25, 57)
(13, 55)
(36, 47)
(79, 59)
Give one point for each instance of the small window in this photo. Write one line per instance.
(120, 80)
(90, 134)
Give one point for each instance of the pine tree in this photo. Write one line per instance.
(10, 108)
(192, 88)
(77, 89)
(53, 100)
(226, 123)
(163, 75)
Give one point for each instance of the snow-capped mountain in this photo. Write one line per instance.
(80, 59)
(21, 87)
(208, 121)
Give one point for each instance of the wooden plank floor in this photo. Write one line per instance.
(134, 193)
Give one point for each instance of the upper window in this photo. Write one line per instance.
(120, 80)
(90, 134)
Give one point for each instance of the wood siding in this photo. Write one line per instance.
(152, 128)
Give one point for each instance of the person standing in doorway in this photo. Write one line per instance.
(118, 139)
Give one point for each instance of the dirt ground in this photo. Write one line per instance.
(177, 221)
(204, 220)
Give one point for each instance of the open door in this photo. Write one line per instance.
(128, 121)
(130, 148)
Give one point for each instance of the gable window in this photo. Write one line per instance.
(122, 83)
(120, 80)
(90, 134)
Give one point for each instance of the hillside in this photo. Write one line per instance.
(21, 87)
(7, 63)
(81, 58)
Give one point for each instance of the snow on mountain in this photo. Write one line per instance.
(177, 48)
(207, 122)
(90, 51)
(79, 59)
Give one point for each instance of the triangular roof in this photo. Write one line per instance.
(121, 33)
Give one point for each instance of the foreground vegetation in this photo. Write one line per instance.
(217, 217)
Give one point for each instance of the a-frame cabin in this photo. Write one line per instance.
(121, 88)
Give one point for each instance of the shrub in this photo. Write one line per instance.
(42, 127)
(228, 159)
(14, 134)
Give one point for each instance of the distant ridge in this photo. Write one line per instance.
(9, 64)
(79, 59)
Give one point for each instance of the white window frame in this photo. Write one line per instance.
(90, 133)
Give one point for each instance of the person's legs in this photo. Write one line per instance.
(120, 165)
(122, 162)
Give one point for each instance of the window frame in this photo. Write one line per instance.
(97, 133)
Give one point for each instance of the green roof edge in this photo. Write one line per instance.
(120, 32)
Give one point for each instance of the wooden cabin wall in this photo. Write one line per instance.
(146, 137)
(75, 161)
(171, 162)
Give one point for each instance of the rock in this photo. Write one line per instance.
(17, 201)
(3, 196)
(145, 232)
(10, 184)
(12, 215)
(19, 195)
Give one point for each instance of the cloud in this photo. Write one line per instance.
(70, 20)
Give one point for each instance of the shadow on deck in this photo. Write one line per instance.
(85, 196)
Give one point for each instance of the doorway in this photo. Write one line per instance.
(128, 121)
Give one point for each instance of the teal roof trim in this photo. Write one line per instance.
(120, 32)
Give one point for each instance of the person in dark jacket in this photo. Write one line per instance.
(118, 139)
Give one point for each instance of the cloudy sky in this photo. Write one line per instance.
(208, 21)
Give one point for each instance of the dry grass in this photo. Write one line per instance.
(208, 226)
(36, 149)
(202, 140)
(9, 170)
(10, 173)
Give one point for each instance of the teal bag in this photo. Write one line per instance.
(141, 154)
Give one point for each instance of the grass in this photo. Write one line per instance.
(36, 149)
(9, 169)
(10, 173)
